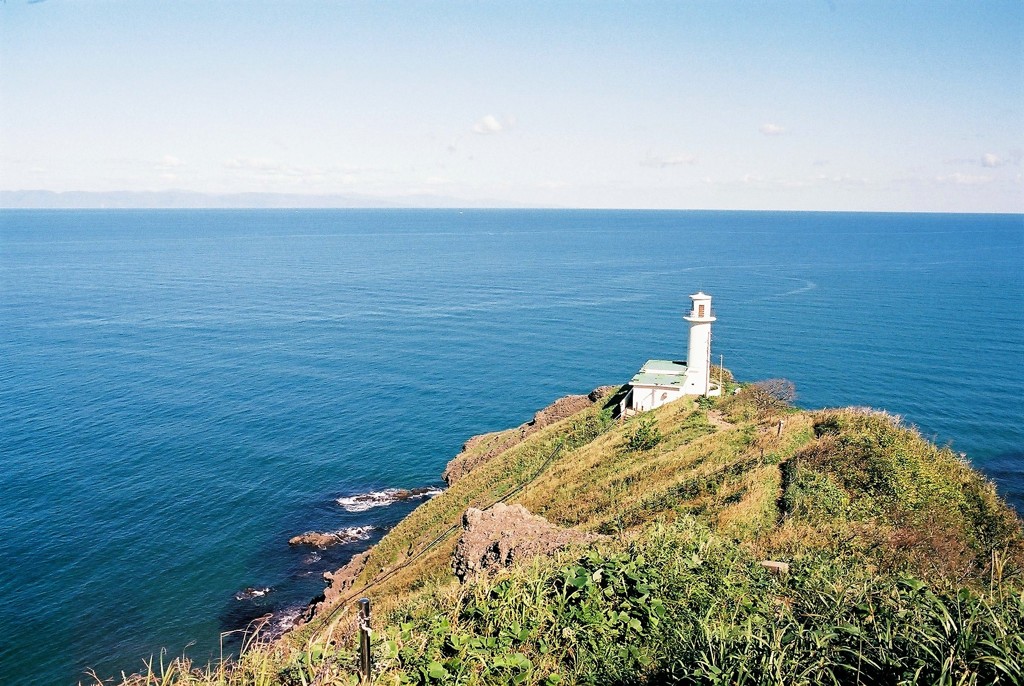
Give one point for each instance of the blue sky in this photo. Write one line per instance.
(915, 106)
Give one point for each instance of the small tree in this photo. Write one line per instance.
(646, 436)
(771, 395)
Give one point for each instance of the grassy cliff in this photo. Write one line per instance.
(902, 565)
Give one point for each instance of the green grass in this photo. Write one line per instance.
(681, 605)
(905, 566)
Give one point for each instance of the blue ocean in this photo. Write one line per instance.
(183, 391)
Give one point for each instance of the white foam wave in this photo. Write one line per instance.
(367, 501)
(808, 286)
(283, 620)
(354, 533)
(251, 592)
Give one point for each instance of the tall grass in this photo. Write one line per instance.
(683, 606)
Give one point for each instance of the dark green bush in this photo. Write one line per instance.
(646, 436)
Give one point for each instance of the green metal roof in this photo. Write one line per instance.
(664, 367)
(660, 373)
(647, 379)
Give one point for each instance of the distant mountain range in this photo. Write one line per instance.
(192, 200)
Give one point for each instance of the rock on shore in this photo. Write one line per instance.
(338, 582)
(503, 534)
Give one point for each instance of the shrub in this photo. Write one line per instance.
(646, 436)
(770, 396)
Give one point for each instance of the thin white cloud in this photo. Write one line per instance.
(964, 179)
(762, 182)
(268, 167)
(169, 162)
(252, 163)
(490, 124)
(673, 161)
(266, 170)
(989, 160)
(842, 179)
(992, 160)
(770, 129)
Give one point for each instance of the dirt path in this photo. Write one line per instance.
(717, 420)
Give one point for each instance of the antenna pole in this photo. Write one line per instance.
(721, 374)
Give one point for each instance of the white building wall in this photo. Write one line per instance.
(647, 398)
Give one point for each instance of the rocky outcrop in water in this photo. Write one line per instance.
(498, 537)
(314, 538)
(251, 592)
(322, 540)
(366, 501)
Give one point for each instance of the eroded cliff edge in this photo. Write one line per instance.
(483, 448)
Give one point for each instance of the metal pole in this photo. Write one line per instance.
(364, 640)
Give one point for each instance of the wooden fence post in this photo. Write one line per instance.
(364, 640)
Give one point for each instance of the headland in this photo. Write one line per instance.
(709, 540)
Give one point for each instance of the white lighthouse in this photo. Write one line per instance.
(698, 357)
(662, 381)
